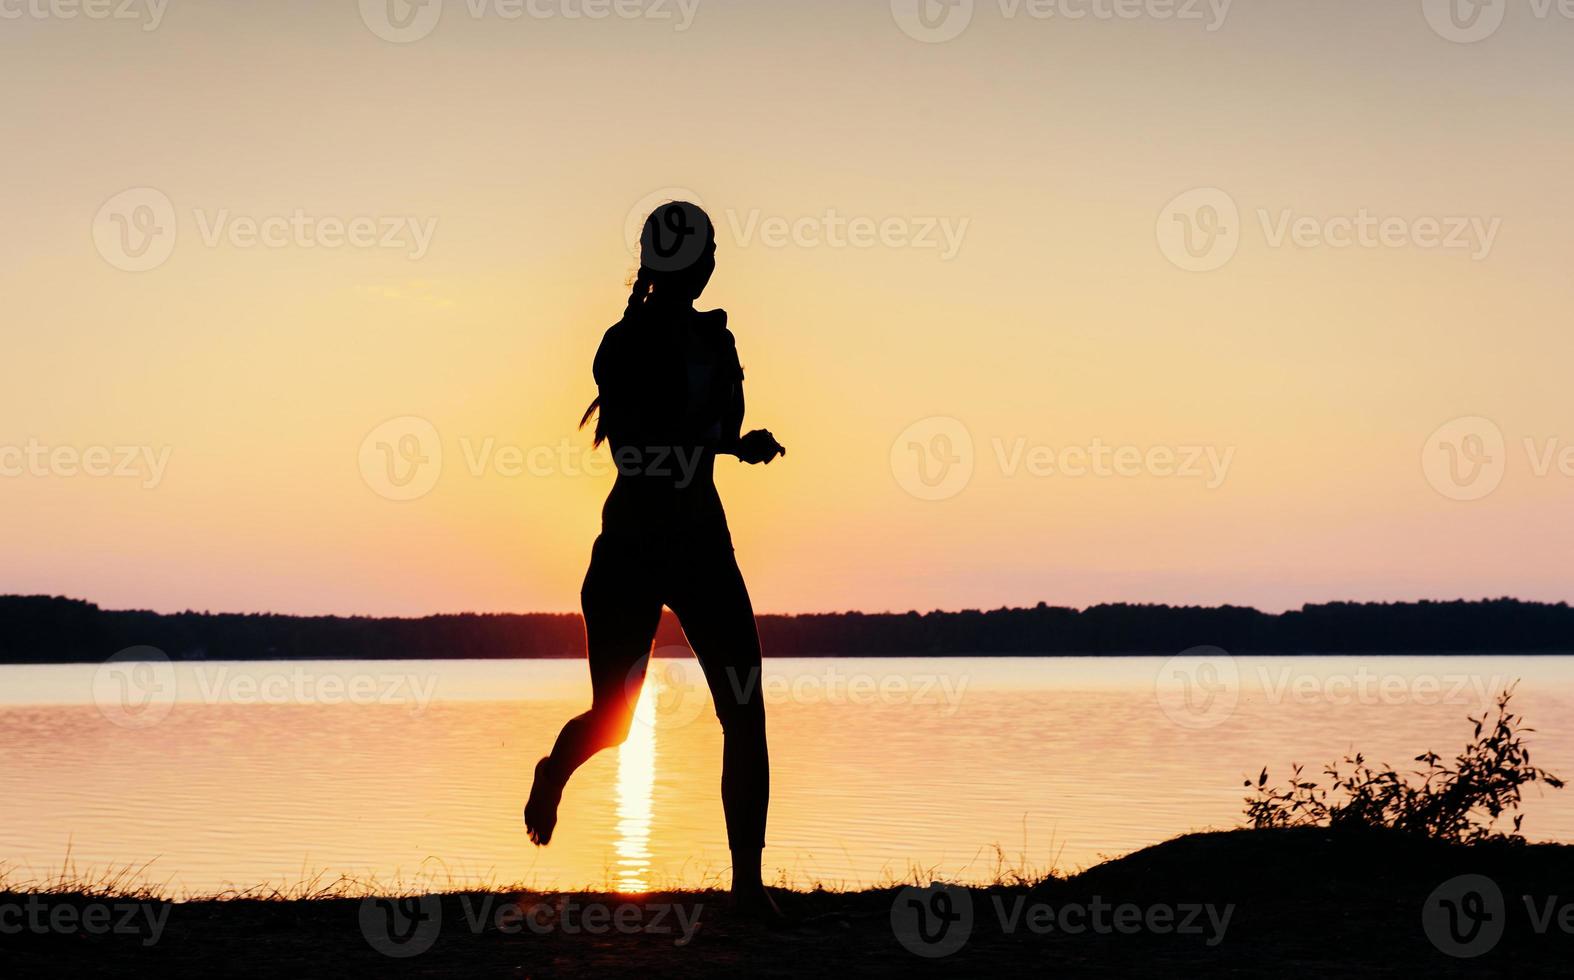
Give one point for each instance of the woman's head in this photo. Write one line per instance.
(677, 255)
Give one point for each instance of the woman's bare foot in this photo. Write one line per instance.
(752, 901)
(541, 811)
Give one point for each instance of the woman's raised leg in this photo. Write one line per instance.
(621, 612)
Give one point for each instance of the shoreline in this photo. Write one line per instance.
(47, 629)
(1246, 902)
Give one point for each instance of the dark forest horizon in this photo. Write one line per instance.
(53, 629)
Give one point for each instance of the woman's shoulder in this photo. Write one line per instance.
(614, 349)
(713, 325)
(616, 333)
(623, 336)
(626, 339)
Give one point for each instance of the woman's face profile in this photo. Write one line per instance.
(703, 270)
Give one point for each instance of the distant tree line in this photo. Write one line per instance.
(44, 629)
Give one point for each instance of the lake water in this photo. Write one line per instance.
(414, 773)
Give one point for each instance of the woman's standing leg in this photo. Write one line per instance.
(712, 603)
(622, 612)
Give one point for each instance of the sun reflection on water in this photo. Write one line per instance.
(636, 781)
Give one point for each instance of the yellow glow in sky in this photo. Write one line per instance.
(335, 230)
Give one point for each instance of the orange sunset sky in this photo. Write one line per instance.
(503, 158)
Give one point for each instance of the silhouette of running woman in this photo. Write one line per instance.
(670, 401)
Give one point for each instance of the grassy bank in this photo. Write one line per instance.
(1252, 903)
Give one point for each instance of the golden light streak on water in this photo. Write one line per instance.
(636, 781)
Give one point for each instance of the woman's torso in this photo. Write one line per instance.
(669, 383)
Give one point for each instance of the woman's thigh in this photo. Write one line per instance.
(712, 603)
(622, 608)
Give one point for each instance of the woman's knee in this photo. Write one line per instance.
(745, 718)
(609, 725)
